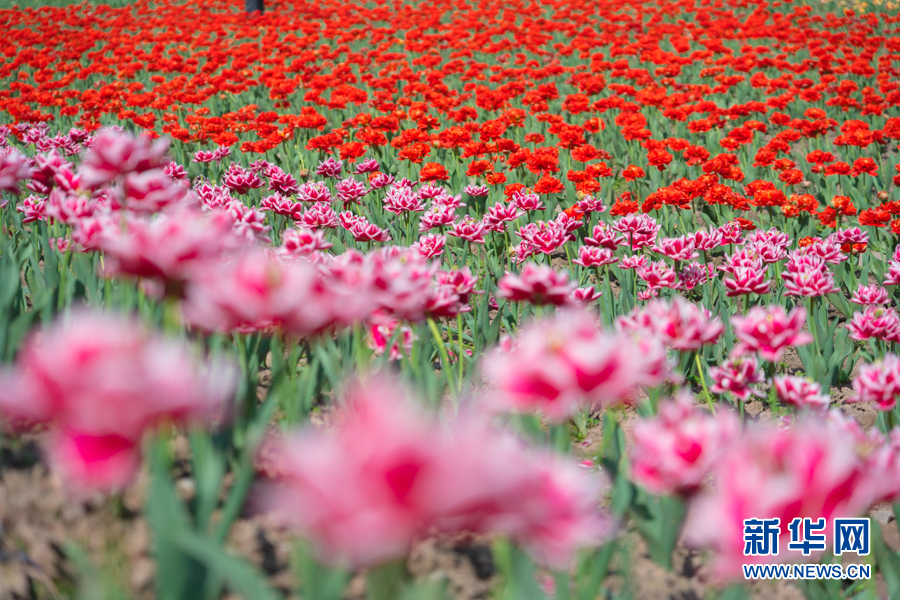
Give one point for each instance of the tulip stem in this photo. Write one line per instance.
(459, 331)
(812, 323)
(634, 286)
(703, 382)
(445, 359)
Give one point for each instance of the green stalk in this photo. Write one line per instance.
(703, 383)
(445, 359)
(459, 332)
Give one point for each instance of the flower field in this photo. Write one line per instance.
(533, 300)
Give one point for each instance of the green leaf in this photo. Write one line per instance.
(592, 570)
(177, 576)
(237, 574)
(887, 561)
(518, 573)
(317, 581)
(659, 524)
(209, 469)
(384, 582)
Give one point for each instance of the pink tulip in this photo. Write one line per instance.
(829, 250)
(537, 284)
(801, 393)
(68, 208)
(640, 230)
(100, 382)
(247, 222)
(212, 197)
(281, 182)
(240, 180)
(350, 191)
(319, 215)
(708, 239)
(15, 167)
(850, 235)
(811, 469)
(207, 156)
(258, 292)
(680, 324)
(674, 452)
(743, 257)
(437, 217)
(526, 201)
(769, 331)
(381, 180)
(735, 376)
(477, 191)
(388, 474)
(878, 383)
(402, 200)
(883, 464)
(589, 205)
(635, 261)
(303, 242)
(657, 275)
(500, 214)
(771, 245)
(314, 191)
(32, 209)
(732, 234)
(382, 328)
(330, 167)
(892, 277)
(870, 294)
(585, 295)
(545, 237)
(282, 206)
(680, 248)
(170, 248)
(461, 281)
(746, 280)
(593, 256)
(605, 236)
(152, 190)
(113, 154)
(875, 322)
(402, 282)
(694, 274)
(557, 364)
(430, 246)
(361, 229)
(469, 229)
(808, 278)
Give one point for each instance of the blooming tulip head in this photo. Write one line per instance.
(674, 452)
(769, 331)
(557, 364)
(811, 469)
(388, 474)
(100, 382)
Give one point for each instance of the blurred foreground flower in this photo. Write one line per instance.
(674, 452)
(555, 365)
(815, 469)
(100, 382)
(389, 474)
(769, 331)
